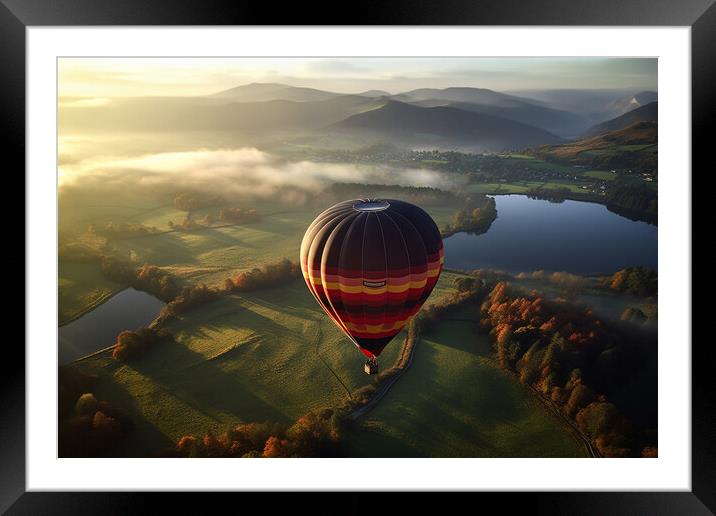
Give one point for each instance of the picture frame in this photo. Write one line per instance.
(17, 15)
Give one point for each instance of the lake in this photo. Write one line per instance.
(572, 236)
(128, 310)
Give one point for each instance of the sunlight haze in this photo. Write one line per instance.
(98, 77)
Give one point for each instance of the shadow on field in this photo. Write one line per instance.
(462, 335)
(223, 238)
(301, 313)
(446, 405)
(160, 250)
(488, 394)
(145, 438)
(203, 385)
(373, 443)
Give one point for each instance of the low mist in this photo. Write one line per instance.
(246, 173)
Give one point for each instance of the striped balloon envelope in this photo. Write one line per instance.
(371, 264)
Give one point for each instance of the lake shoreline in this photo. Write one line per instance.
(99, 302)
(97, 329)
(587, 198)
(575, 236)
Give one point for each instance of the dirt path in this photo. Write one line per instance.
(591, 449)
(385, 386)
(554, 410)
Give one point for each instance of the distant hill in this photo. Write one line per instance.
(648, 113)
(212, 114)
(633, 147)
(374, 93)
(260, 92)
(470, 95)
(479, 100)
(558, 122)
(437, 126)
(526, 111)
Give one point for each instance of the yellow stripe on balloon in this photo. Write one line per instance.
(377, 328)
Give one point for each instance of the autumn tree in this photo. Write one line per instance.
(637, 281)
(132, 345)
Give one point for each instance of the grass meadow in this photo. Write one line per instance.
(454, 402)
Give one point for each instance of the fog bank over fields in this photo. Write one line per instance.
(245, 172)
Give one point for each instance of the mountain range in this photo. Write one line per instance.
(437, 126)
(466, 118)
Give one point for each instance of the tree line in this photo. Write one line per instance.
(149, 278)
(316, 434)
(637, 281)
(121, 229)
(268, 276)
(192, 201)
(237, 215)
(556, 194)
(574, 360)
(87, 427)
(635, 201)
(132, 345)
(475, 217)
(424, 195)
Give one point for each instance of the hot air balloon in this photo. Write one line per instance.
(371, 264)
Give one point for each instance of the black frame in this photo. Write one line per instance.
(700, 15)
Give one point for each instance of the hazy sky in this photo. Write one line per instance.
(103, 77)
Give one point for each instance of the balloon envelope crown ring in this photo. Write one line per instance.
(371, 264)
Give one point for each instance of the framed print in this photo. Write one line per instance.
(423, 252)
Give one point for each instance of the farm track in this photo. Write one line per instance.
(591, 449)
(384, 387)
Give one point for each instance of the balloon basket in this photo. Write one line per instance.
(371, 367)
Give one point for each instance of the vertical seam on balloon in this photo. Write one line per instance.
(385, 266)
(362, 259)
(312, 287)
(407, 253)
(420, 235)
(342, 325)
(338, 291)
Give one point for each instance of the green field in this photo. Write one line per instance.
(523, 160)
(82, 286)
(249, 357)
(604, 175)
(207, 255)
(503, 188)
(522, 187)
(572, 186)
(454, 402)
